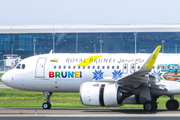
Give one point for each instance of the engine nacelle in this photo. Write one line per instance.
(100, 94)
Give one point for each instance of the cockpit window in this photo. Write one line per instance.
(23, 66)
(18, 66)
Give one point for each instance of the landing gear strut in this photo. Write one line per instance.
(172, 104)
(145, 97)
(47, 104)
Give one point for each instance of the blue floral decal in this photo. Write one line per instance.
(157, 75)
(98, 75)
(117, 74)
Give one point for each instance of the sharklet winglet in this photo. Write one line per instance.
(150, 62)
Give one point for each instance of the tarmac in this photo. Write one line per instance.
(84, 112)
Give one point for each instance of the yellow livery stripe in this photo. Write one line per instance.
(54, 60)
(150, 62)
(88, 60)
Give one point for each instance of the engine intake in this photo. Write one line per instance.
(100, 94)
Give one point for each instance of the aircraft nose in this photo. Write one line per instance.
(4, 79)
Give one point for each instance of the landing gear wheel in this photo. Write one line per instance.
(150, 106)
(172, 104)
(46, 105)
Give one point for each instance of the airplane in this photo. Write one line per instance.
(101, 79)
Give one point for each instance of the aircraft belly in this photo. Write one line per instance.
(167, 88)
(66, 86)
(158, 92)
(53, 85)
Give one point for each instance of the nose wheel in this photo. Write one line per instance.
(47, 104)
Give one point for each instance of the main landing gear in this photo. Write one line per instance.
(150, 106)
(172, 104)
(47, 104)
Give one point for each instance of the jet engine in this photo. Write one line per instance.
(101, 94)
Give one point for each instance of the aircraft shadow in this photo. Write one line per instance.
(128, 111)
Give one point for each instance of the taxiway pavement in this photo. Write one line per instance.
(84, 112)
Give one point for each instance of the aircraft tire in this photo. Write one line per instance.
(150, 106)
(46, 105)
(172, 104)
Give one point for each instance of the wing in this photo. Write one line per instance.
(141, 76)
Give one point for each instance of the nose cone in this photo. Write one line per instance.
(4, 79)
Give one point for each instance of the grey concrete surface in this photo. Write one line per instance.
(85, 112)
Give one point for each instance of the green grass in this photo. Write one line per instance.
(18, 98)
(1, 76)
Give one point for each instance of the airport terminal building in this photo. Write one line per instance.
(28, 40)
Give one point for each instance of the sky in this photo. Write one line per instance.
(67, 12)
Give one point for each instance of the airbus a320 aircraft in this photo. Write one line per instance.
(101, 79)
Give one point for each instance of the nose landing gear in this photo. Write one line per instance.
(47, 104)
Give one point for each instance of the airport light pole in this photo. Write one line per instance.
(76, 42)
(101, 42)
(176, 48)
(163, 46)
(12, 47)
(135, 37)
(94, 48)
(53, 43)
(34, 45)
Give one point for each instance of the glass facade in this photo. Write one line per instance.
(26, 45)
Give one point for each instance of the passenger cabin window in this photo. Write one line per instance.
(74, 67)
(59, 67)
(103, 67)
(138, 67)
(54, 67)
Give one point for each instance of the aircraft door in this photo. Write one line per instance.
(133, 68)
(125, 68)
(40, 68)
